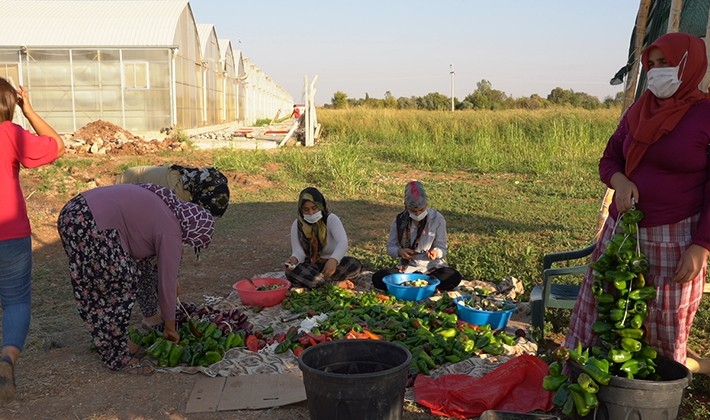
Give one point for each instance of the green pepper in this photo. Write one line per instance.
(605, 298)
(601, 364)
(621, 303)
(644, 293)
(630, 344)
(617, 314)
(601, 264)
(619, 356)
(555, 368)
(452, 358)
(600, 376)
(636, 320)
(422, 367)
(552, 383)
(267, 330)
(616, 275)
(156, 349)
(209, 330)
(600, 327)
(212, 357)
(448, 333)
(579, 354)
(632, 367)
(632, 217)
(605, 308)
(580, 403)
(175, 355)
(640, 307)
(282, 347)
(587, 383)
(561, 395)
(164, 357)
(639, 281)
(619, 284)
(648, 352)
(636, 333)
(186, 355)
(494, 349)
(639, 264)
(597, 287)
(568, 407)
(425, 357)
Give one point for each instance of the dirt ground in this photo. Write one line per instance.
(58, 377)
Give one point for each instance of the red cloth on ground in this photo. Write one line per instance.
(514, 386)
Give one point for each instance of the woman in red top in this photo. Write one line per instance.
(18, 147)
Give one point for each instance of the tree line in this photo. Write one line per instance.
(484, 97)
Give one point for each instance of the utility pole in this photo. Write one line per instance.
(451, 72)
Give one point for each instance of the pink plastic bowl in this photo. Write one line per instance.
(252, 297)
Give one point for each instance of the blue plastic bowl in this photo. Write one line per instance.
(496, 319)
(393, 282)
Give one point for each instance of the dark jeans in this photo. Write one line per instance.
(448, 277)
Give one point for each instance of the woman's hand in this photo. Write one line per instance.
(624, 192)
(434, 253)
(690, 263)
(330, 267)
(346, 284)
(291, 264)
(406, 253)
(170, 332)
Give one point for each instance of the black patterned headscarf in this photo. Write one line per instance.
(208, 187)
(196, 222)
(313, 237)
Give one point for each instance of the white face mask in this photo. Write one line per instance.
(663, 81)
(313, 218)
(418, 217)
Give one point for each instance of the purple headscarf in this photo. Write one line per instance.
(196, 222)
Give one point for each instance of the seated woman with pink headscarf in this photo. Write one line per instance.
(418, 240)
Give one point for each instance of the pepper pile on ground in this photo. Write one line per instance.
(430, 329)
(622, 300)
(205, 335)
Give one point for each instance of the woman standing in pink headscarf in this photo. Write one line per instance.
(657, 160)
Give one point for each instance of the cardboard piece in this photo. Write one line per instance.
(246, 392)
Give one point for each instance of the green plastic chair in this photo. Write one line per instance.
(556, 295)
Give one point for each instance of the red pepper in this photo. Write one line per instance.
(252, 343)
(297, 351)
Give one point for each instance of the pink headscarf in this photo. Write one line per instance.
(650, 118)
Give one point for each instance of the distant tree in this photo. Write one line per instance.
(485, 97)
(434, 102)
(390, 101)
(340, 100)
(407, 103)
(559, 96)
(535, 101)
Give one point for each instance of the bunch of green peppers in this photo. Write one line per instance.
(622, 301)
(201, 344)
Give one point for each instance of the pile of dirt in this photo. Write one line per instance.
(103, 137)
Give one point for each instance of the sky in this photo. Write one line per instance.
(409, 47)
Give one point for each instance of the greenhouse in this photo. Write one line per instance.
(143, 65)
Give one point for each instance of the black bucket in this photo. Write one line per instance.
(639, 399)
(355, 379)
